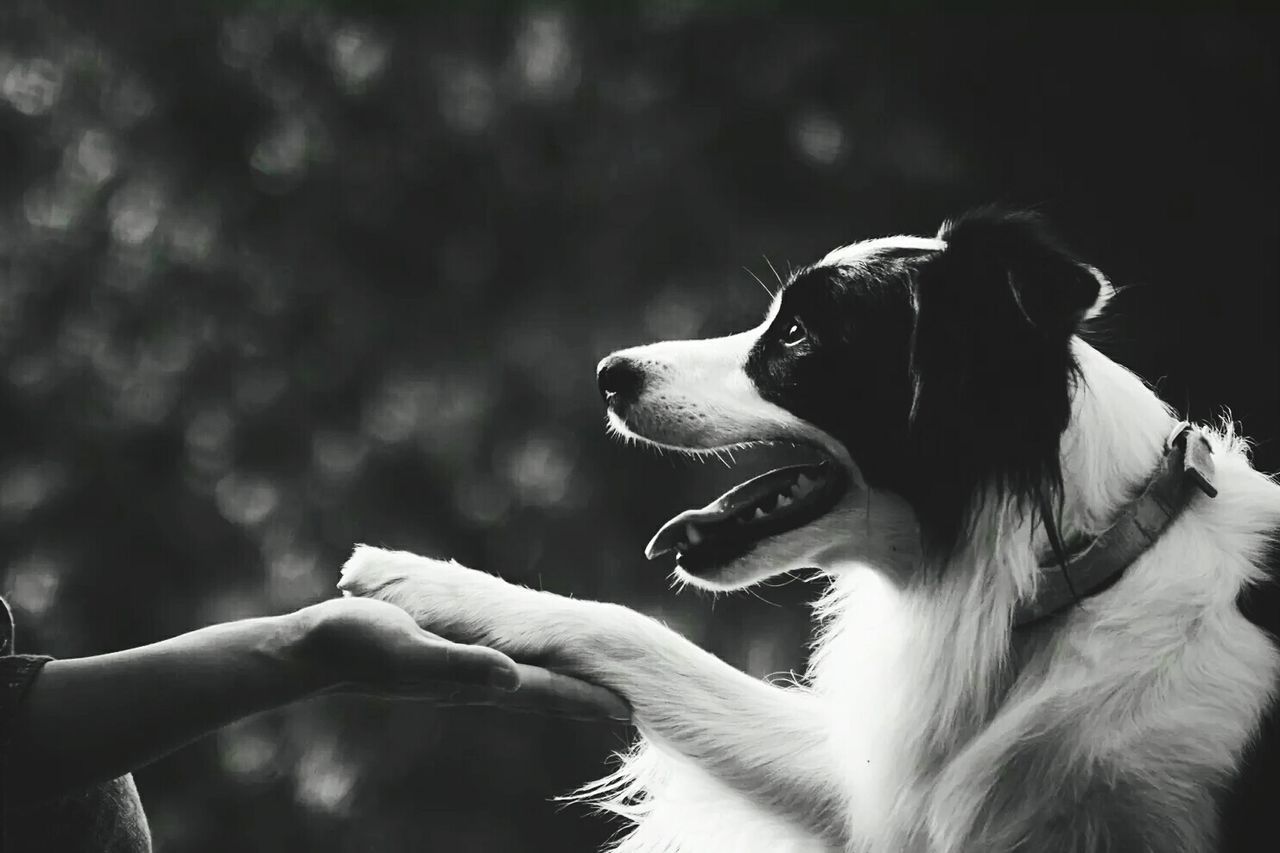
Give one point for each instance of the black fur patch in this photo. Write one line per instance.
(850, 376)
(992, 365)
(942, 372)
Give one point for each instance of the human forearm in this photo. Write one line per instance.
(90, 719)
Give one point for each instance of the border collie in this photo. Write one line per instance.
(1032, 638)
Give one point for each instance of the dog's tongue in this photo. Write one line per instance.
(746, 510)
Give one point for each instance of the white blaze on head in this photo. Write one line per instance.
(855, 252)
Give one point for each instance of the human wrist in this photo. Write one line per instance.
(292, 643)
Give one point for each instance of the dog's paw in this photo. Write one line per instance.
(371, 569)
(441, 595)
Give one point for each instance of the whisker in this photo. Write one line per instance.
(761, 283)
(751, 591)
(775, 271)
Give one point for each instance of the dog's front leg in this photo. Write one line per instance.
(767, 743)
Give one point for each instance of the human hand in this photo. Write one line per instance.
(363, 645)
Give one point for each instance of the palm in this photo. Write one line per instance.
(370, 646)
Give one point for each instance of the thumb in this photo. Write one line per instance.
(441, 660)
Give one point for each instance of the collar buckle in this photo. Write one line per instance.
(1197, 456)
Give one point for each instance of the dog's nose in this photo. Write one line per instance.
(620, 380)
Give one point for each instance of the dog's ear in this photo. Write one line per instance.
(991, 362)
(1011, 261)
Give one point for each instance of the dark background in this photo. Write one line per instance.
(274, 283)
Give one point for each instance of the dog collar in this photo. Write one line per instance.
(1185, 468)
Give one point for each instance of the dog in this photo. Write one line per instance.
(1034, 636)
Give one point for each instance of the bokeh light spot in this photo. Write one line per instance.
(545, 56)
(468, 100)
(93, 157)
(540, 470)
(134, 211)
(25, 486)
(324, 780)
(245, 499)
(282, 151)
(819, 137)
(358, 57)
(248, 751)
(33, 583)
(338, 455)
(33, 86)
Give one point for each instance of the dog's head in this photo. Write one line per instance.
(920, 373)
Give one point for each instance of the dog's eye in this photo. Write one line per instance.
(796, 334)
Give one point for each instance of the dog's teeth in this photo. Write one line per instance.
(802, 486)
(783, 500)
(693, 534)
(759, 514)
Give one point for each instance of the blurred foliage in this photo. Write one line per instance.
(274, 282)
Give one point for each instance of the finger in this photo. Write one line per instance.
(554, 693)
(441, 660)
(541, 692)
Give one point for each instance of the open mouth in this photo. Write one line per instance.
(774, 502)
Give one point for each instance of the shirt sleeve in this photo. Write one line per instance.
(17, 673)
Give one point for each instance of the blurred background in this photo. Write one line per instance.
(275, 280)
